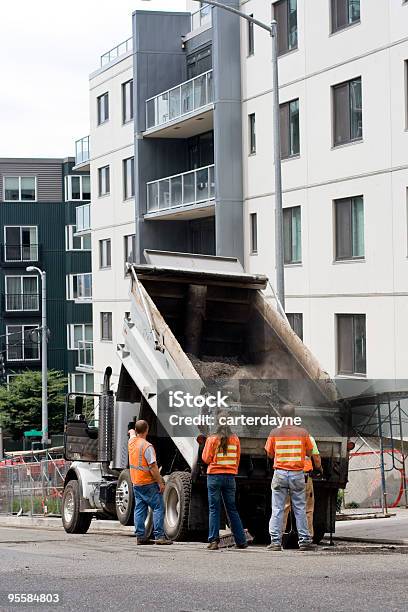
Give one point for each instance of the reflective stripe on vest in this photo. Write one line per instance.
(230, 458)
(141, 467)
(140, 472)
(288, 450)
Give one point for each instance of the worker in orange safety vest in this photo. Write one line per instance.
(311, 463)
(222, 453)
(148, 484)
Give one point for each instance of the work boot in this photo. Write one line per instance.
(163, 542)
(213, 546)
(274, 547)
(142, 541)
(308, 546)
(245, 545)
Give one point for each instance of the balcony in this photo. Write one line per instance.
(189, 195)
(183, 111)
(113, 54)
(201, 18)
(82, 153)
(83, 219)
(21, 254)
(22, 302)
(85, 354)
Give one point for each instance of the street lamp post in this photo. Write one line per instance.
(272, 28)
(44, 365)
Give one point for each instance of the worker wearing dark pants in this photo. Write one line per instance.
(148, 485)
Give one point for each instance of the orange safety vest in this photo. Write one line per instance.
(140, 473)
(218, 462)
(289, 448)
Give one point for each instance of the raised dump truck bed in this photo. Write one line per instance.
(194, 319)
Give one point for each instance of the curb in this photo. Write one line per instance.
(54, 523)
(363, 540)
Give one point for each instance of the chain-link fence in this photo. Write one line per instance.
(32, 487)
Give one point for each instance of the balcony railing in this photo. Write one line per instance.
(82, 153)
(20, 252)
(180, 100)
(21, 302)
(85, 354)
(83, 218)
(181, 190)
(201, 17)
(112, 54)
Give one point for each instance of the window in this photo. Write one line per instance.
(254, 232)
(296, 322)
(77, 188)
(128, 178)
(252, 134)
(78, 332)
(292, 235)
(251, 38)
(83, 218)
(285, 12)
(289, 127)
(103, 108)
(22, 343)
(130, 249)
(81, 383)
(104, 180)
(20, 188)
(344, 13)
(105, 253)
(21, 293)
(351, 344)
(76, 243)
(127, 101)
(21, 243)
(79, 287)
(348, 112)
(349, 220)
(106, 326)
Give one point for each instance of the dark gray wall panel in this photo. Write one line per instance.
(49, 177)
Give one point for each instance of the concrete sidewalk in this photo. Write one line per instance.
(391, 530)
(55, 523)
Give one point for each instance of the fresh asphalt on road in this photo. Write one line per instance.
(109, 572)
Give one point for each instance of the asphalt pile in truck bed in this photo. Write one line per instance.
(210, 368)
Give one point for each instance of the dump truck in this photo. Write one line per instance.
(194, 319)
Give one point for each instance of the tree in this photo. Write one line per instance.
(20, 403)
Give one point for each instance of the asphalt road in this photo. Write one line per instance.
(108, 572)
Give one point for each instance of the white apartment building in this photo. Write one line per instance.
(112, 211)
(344, 102)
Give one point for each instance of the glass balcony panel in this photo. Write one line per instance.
(164, 194)
(174, 103)
(187, 97)
(202, 185)
(176, 190)
(151, 113)
(200, 91)
(210, 88)
(152, 197)
(30, 302)
(212, 182)
(189, 187)
(85, 354)
(163, 108)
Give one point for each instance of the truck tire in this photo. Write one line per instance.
(125, 504)
(176, 497)
(124, 500)
(73, 520)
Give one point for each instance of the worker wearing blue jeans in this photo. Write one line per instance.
(223, 484)
(286, 482)
(148, 496)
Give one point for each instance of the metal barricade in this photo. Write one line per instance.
(32, 487)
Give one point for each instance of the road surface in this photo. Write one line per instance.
(109, 572)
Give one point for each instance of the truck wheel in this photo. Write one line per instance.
(125, 503)
(177, 495)
(124, 500)
(73, 520)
